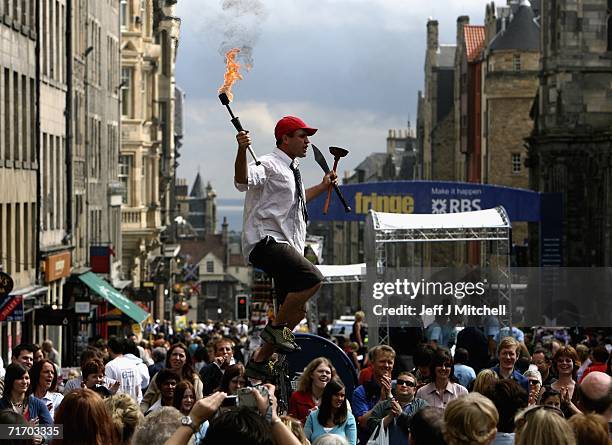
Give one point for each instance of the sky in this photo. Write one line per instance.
(351, 68)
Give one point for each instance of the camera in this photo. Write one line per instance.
(246, 397)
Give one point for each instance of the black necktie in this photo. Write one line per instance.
(298, 190)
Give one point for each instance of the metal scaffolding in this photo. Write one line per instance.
(492, 226)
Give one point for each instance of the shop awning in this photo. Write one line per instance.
(117, 299)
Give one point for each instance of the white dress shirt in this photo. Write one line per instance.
(270, 206)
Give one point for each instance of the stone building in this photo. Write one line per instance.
(436, 118)
(19, 161)
(510, 81)
(202, 208)
(149, 40)
(570, 147)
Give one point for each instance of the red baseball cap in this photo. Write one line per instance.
(289, 124)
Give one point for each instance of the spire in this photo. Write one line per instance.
(197, 191)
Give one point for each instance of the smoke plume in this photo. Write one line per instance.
(241, 20)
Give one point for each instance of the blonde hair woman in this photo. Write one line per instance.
(542, 424)
(471, 420)
(125, 415)
(485, 382)
(310, 388)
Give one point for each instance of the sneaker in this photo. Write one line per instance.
(258, 370)
(281, 337)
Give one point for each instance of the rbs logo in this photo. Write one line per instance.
(452, 205)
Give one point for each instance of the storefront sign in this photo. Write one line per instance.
(6, 284)
(57, 266)
(11, 308)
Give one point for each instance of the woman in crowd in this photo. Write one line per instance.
(332, 416)
(551, 397)
(485, 382)
(471, 420)
(535, 385)
(184, 399)
(233, 379)
(310, 388)
(178, 360)
(167, 379)
(542, 424)
(296, 428)
(590, 429)
(442, 389)
(85, 420)
(565, 365)
(404, 405)
(125, 416)
(16, 396)
(44, 384)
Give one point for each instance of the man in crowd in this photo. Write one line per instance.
(22, 354)
(507, 353)
(212, 373)
(596, 395)
(543, 360)
(366, 396)
(123, 370)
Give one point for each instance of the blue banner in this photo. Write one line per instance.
(427, 197)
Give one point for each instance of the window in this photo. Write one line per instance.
(124, 13)
(210, 267)
(127, 75)
(125, 165)
(516, 163)
(516, 62)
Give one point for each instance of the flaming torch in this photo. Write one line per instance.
(232, 74)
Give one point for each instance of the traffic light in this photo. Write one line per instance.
(242, 307)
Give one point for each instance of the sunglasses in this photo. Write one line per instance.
(409, 383)
(534, 382)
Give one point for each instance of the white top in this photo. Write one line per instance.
(52, 400)
(127, 372)
(75, 383)
(270, 206)
(144, 370)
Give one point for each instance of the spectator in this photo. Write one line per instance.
(50, 352)
(485, 383)
(366, 396)
(159, 361)
(132, 353)
(159, 427)
(359, 332)
(44, 385)
(9, 417)
(535, 385)
(464, 374)
(543, 360)
(179, 361)
(565, 365)
(551, 397)
(184, 399)
(422, 361)
(507, 354)
(125, 417)
(17, 396)
(590, 429)
(310, 388)
(38, 353)
(332, 413)
(77, 382)
(596, 395)
(584, 354)
(212, 373)
(123, 370)
(474, 340)
(404, 405)
(233, 379)
(330, 439)
(509, 398)
(427, 427)
(296, 428)
(471, 420)
(85, 420)
(166, 379)
(541, 424)
(599, 360)
(442, 389)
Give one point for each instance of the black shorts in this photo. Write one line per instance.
(290, 270)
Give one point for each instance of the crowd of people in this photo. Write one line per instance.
(192, 388)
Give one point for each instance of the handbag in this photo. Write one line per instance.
(380, 436)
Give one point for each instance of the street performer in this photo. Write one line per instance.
(274, 232)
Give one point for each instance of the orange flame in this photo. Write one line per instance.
(232, 73)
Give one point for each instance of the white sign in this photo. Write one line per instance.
(82, 307)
